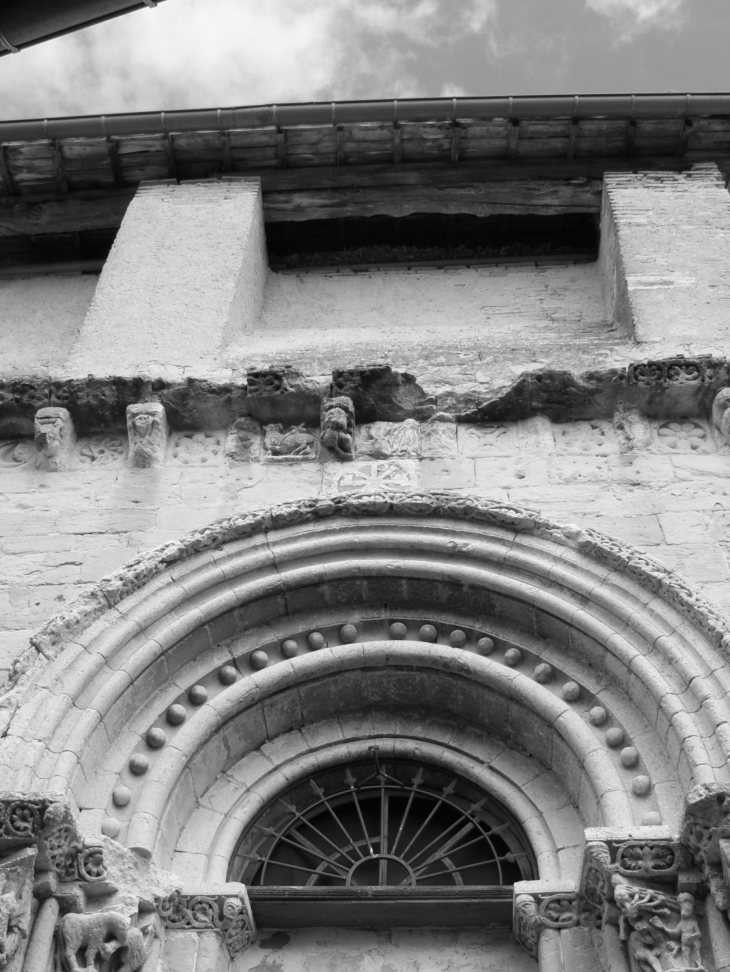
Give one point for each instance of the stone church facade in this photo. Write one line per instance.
(367, 614)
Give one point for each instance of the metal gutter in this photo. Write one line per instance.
(621, 106)
(27, 22)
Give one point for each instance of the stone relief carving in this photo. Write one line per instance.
(438, 439)
(337, 425)
(147, 431)
(16, 889)
(525, 924)
(675, 371)
(369, 476)
(661, 931)
(647, 859)
(544, 909)
(224, 911)
(682, 435)
(594, 438)
(390, 440)
(195, 448)
(244, 440)
(633, 431)
(98, 936)
(54, 438)
(102, 450)
(479, 441)
(705, 835)
(16, 453)
(289, 444)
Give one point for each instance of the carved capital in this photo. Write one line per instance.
(224, 909)
(52, 829)
(538, 905)
(337, 426)
(54, 438)
(16, 892)
(706, 823)
(148, 434)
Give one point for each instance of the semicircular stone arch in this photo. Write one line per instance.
(556, 667)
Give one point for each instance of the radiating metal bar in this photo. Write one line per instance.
(443, 833)
(362, 823)
(309, 870)
(403, 821)
(303, 819)
(306, 845)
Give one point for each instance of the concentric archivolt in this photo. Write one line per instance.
(475, 613)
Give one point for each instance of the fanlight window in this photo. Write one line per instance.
(388, 824)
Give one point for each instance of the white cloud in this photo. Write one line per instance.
(190, 53)
(634, 16)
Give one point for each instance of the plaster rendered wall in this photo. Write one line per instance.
(468, 324)
(392, 950)
(41, 318)
(63, 530)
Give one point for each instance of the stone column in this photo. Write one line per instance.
(186, 275)
(663, 254)
(38, 955)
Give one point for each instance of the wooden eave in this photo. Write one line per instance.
(308, 171)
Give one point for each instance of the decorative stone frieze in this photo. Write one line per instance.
(678, 371)
(148, 432)
(86, 937)
(337, 426)
(224, 909)
(538, 905)
(54, 438)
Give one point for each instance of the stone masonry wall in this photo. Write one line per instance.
(61, 531)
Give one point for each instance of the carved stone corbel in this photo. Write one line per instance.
(337, 426)
(54, 438)
(148, 434)
(540, 905)
(244, 440)
(721, 414)
(633, 432)
(224, 909)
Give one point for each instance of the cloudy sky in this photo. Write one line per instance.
(210, 53)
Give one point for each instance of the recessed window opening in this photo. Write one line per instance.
(431, 238)
(384, 823)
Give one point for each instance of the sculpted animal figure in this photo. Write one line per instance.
(101, 934)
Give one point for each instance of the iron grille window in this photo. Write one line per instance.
(394, 824)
